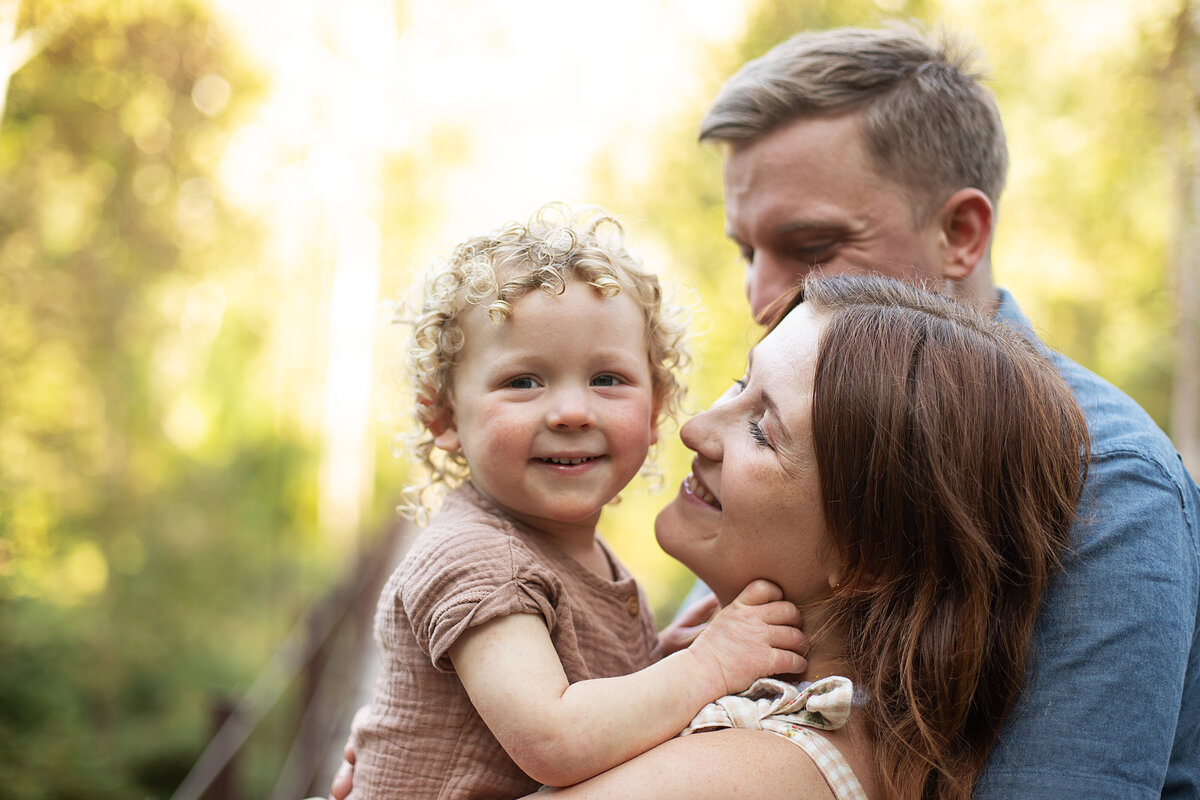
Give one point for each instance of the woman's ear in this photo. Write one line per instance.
(445, 434)
(966, 222)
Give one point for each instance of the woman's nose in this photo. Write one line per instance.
(701, 433)
(570, 409)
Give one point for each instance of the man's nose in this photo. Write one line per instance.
(768, 281)
(571, 409)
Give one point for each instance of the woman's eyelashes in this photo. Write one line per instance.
(757, 432)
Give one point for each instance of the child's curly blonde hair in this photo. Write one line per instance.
(556, 246)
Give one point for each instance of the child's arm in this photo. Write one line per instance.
(560, 733)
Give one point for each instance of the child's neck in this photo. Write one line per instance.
(577, 540)
(595, 560)
(582, 546)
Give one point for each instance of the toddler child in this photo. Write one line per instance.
(517, 650)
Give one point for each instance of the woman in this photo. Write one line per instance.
(907, 471)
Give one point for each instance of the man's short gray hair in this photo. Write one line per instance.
(926, 119)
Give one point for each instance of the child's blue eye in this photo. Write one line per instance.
(522, 383)
(605, 380)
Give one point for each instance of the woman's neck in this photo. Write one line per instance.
(822, 666)
(826, 647)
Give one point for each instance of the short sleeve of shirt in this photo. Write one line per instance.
(463, 575)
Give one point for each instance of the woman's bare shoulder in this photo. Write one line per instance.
(732, 763)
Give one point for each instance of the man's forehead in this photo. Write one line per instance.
(828, 149)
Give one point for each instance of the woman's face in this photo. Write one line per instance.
(751, 507)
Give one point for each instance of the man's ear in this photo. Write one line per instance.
(965, 221)
(445, 434)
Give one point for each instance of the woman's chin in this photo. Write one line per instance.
(682, 539)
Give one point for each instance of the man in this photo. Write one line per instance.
(856, 150)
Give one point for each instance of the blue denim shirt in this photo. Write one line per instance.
(1112, 709)
(1112, 706)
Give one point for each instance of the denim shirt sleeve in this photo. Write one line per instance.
(1112, 706)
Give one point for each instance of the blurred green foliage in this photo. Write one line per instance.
(156, 513)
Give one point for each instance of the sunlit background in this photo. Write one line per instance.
(205, 206)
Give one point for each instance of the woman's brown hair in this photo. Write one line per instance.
(952, 456)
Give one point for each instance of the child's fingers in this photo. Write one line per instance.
(786, 662)
(780, 612)
(343, 782)
(785, 637)
(758, 592)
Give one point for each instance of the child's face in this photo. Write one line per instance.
(553, 408)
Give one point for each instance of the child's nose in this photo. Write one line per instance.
(571, 409)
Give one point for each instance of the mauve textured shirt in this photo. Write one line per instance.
(421, 737)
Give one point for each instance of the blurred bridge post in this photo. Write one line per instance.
(332, 651)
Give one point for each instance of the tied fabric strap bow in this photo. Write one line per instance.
(773, 705)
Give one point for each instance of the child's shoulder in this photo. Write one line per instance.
(466, 533)
(464, 555)
(466, 515)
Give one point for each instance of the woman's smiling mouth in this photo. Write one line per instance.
(693, 486)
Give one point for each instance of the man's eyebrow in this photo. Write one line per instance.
(800, 225)
(806, 225)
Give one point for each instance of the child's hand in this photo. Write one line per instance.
(755, 636)
(343, 779)
(684, 629)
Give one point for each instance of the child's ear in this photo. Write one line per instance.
(445, 434)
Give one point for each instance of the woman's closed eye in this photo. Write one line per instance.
(757, 432)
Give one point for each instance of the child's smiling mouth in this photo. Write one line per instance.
(568, 462)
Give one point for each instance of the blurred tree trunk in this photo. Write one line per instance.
(16, 50)
(1185, 400)
(9, 60)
